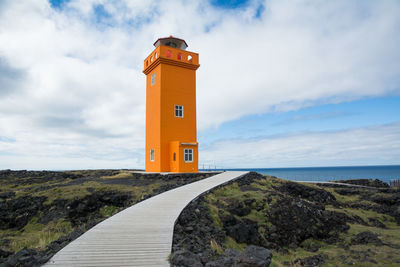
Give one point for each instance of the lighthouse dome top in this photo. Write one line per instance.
(171, 41)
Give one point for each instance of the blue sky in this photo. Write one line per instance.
(281, 83)
(330, 117)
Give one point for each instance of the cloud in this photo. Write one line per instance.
(71, 81)
(314, 117)
(10, 78)
(298, 55)
(361, 146)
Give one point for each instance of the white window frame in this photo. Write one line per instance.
(153, 79)
(152, 154)
(188, 152)
(178, 108)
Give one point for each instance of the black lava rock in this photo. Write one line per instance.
(82, 210)
(297, 220)
(195, 221)
(4, 253)
(239, 208)
(307, 192)
(245, 231)
(365, 182)
(375, 222)
(312, 261)
(185, 258)
(5, 195)
(366, 238)
(254, 256)
(16, 213)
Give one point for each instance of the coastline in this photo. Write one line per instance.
(385, 173)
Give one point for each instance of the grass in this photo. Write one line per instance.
(55, 187)
(232, 244)
(343, 198)
(37, 235)
(278, 259)
(215, 247)
(363, 214)
(334, 254)
(122, 174)
(108, 211)
(214, 213)
(390, 235)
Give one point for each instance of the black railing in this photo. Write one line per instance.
(395, 183)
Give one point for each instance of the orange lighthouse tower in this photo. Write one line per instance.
(171, 134)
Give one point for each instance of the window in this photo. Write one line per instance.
(188, 155)
(174, 156)
(151, 154)
(153, 78)
(178, 111)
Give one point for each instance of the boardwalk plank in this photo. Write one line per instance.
(140, 235)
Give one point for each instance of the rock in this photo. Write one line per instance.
(308, 192)
(311, 247)
(377, 223)
(296, 220)
(223, 262)
(239, 208)
(4, 253)
(82, 212)
(245, 231)
(254, 256)
(5, 195)
(365, 182)
(24, 257)
(183, 258)
(347, 191)
(232, 253)
(366, 238)
(84, 209)
(249, 178)
(312, 261)
(229, 259)
(388, 200)
(16, 213)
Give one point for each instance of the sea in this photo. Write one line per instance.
(383, 173)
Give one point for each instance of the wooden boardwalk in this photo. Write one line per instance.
(140, 235)
(334, 183)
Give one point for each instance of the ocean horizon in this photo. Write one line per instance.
(385, 173)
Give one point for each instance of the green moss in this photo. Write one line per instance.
(389, 235)
(232, 244)
(311, 242)
(257, 216)
(214, 213)
(215, 247)
(122, 174)
(343, 199)
(230, 191)
(37, 235)
(279, 258)
(108, 211)
(363, 214)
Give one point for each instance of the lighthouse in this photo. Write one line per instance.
(171, 131)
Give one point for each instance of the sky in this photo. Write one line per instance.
(281, 83)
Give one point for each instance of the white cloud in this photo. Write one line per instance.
(82, 93)
(378, 144)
